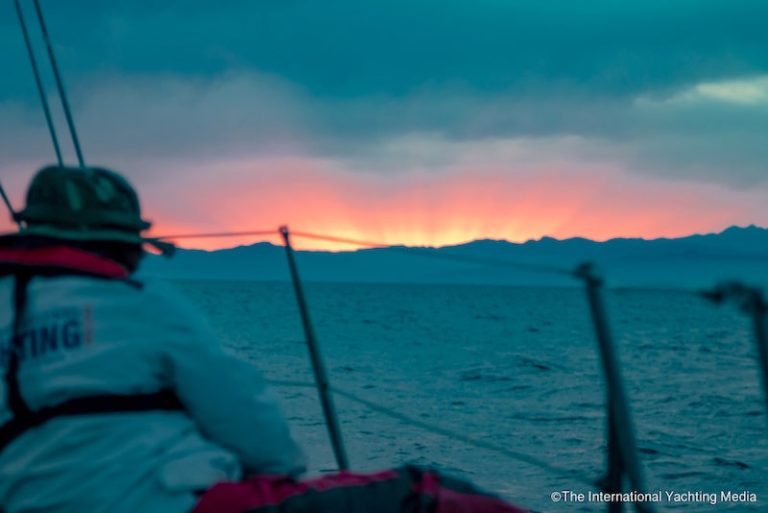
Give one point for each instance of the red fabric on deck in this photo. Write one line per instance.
(359, 493)
(261, 491)
(452, 501)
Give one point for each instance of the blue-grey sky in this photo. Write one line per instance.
(381, 99)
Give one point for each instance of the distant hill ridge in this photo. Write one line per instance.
(695, 260)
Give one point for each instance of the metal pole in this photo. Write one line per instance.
(618, 407)
(321, 377)
(615, 478)
(759, 311)
(39, 82)
(60, 85)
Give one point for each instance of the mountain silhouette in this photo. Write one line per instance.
(737, 253)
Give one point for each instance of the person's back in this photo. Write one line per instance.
(89, 331)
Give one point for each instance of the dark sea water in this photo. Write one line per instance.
(517, 367)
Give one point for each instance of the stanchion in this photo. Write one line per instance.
(321, 377)
(622, 458)
(759, 311)
(750, 300)
(614, 480)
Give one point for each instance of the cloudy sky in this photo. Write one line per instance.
(425, 122)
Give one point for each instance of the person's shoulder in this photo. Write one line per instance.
(170, 307)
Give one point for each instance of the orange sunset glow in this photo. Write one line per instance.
(424, 209)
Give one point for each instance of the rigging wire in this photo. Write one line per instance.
(422, 252)
(7, 203)
(430, 253)
(39, 83)
(480, 444)
(343, 240)
(664, 290)
(254, 233)
(59, 84)
(691, 292)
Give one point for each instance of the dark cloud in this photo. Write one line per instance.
(337, 78)
(345, 48)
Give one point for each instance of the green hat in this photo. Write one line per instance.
(84, 204)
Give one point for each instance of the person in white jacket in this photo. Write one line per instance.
(116, 396)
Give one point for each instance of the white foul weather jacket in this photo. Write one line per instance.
(87, 336)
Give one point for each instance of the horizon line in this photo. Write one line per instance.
(362, 245)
